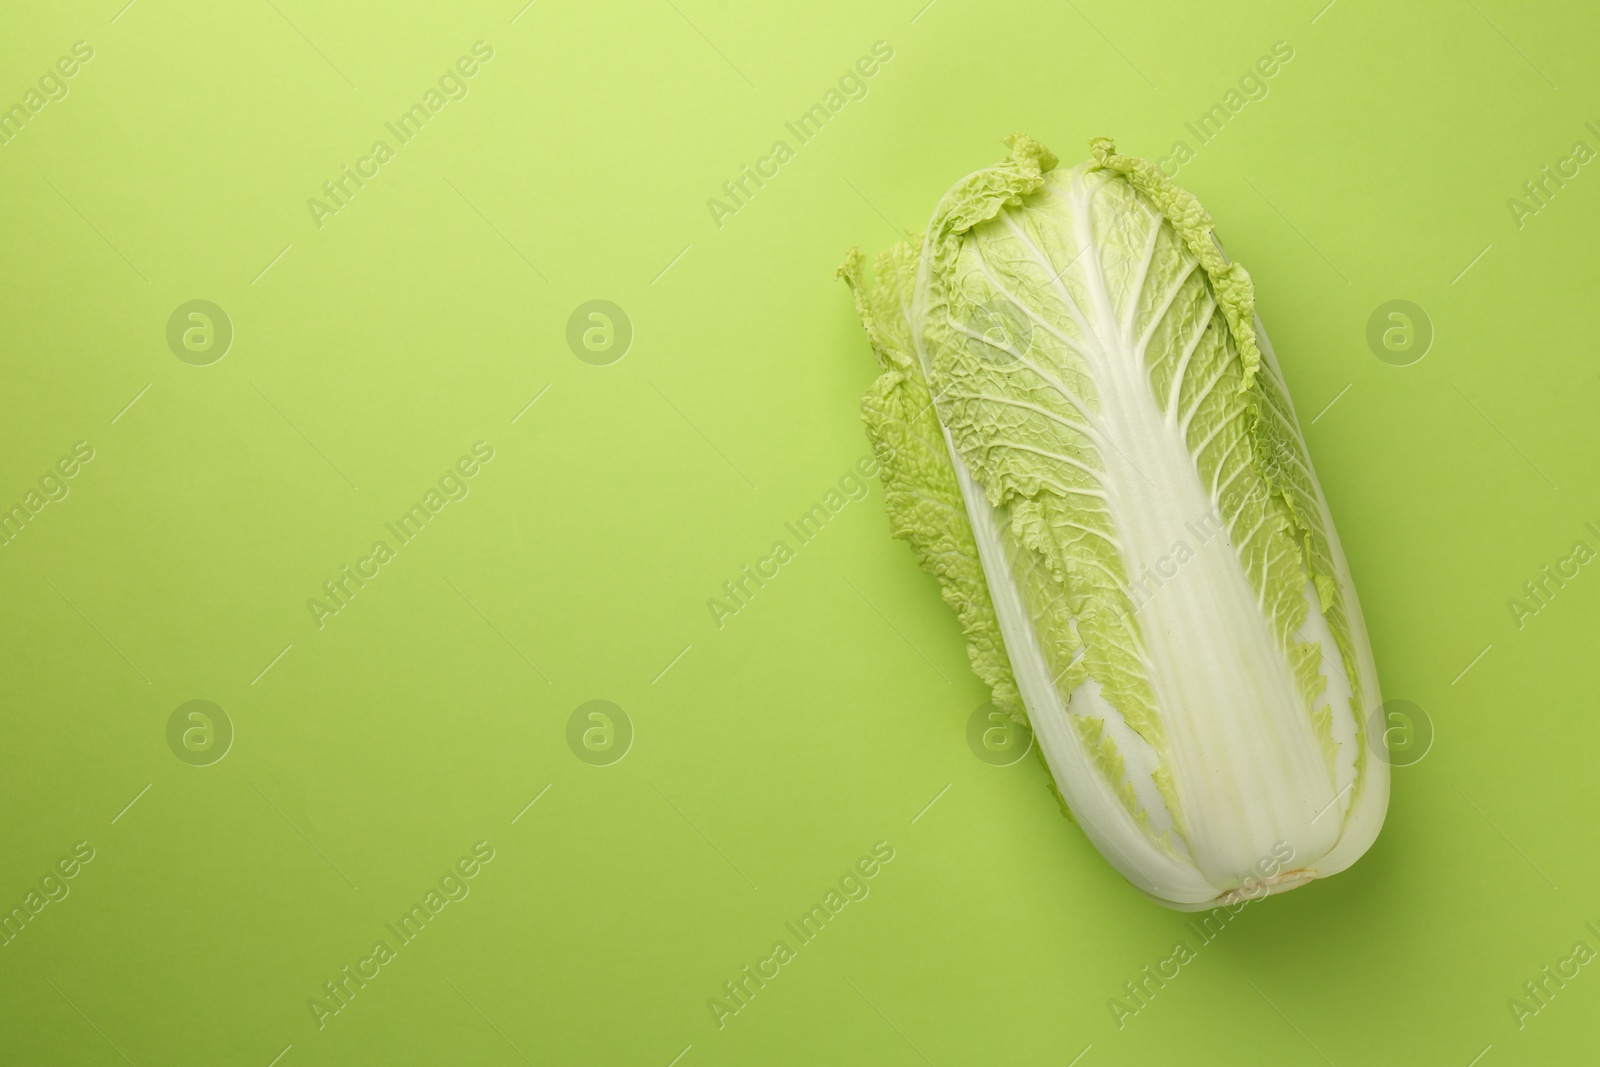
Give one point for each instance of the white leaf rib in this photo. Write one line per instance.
(1295, 431)
(1115, 582)
(1107, 666)
(976, 336)
(1218, 490)
(1007, 402)
(1166, 305)
(1224, 423)
(1144, 275)
(1274, 374)
(1052, 380)
(1096, 277)
(1097, 475)
(1107, 538)
(1043, 261)
(1284, 410)
(1061, 487)
(1200, 400)
(1242, 543)
(1053, 192)
(994, 280)
(1065, 394)
(1175, 390)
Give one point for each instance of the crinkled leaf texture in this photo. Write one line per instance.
(1084, 435)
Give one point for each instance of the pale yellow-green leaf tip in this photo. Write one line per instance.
(1030, 154)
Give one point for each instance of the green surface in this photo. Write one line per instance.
(769, 755)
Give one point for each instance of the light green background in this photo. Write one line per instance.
(827, 714)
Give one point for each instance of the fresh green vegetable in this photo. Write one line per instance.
(1084, 435)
